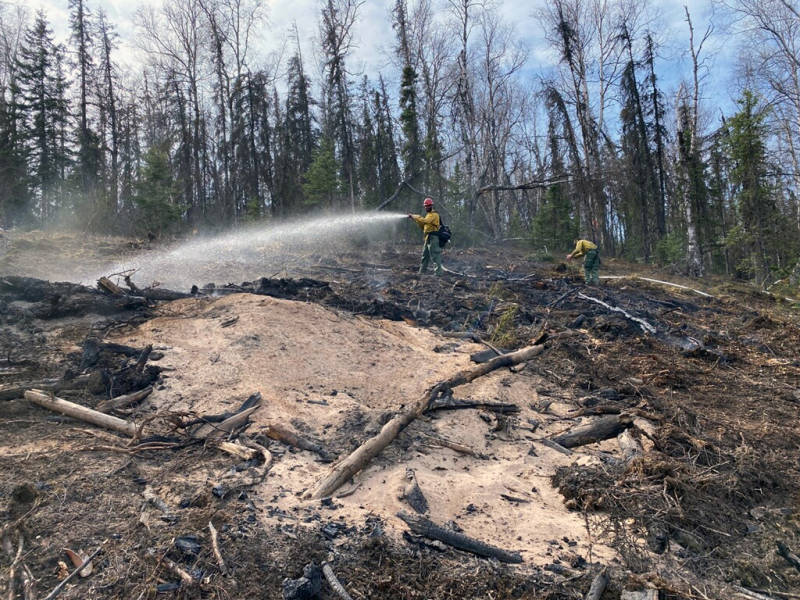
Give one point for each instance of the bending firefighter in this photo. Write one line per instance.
(430, 227)
(591, 262)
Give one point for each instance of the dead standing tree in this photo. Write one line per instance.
(689, 171)
(568, 21)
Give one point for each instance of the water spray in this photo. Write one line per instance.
(249, 253)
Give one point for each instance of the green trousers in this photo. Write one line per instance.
(431, 252)
(591, 267)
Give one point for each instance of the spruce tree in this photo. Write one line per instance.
(295, 140)
(43, 85)
(14, 192)
(156, 197)
(409, 124)
(755, 204)
(554, 226)
(323, 185)
(88, 143)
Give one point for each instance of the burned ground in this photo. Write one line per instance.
(697, 514)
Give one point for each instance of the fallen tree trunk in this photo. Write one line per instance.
(373, 446)
(644, 325)
(124, 400)
(497, 407)
(429, 529)
(52, 385)
(669, 283)
(82, 413)
(598, 430)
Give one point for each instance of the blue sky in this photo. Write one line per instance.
(374, 37)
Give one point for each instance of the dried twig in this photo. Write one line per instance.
(455, 446)
(335, 584)
(173, 566)
(215, 547)
(57, 590)
(13, 567)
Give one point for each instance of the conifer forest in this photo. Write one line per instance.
(206, 131)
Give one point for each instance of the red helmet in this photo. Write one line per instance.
(428, 202)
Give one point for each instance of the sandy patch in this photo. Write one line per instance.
(332, 376)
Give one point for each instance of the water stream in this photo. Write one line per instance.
(262, 251)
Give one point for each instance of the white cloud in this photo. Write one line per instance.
(374, 37)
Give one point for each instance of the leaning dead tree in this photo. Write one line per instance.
(356, 461)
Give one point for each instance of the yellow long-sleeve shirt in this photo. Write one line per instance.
(582, 247)
(429, 223)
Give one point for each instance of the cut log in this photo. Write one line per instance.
(76, 411)
(124, 400)
(598, 430)
(356, 461)
(599, 584)
(335, 584)
(630, 446)
(429, 529)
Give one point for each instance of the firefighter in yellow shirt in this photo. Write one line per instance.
(431, 251)
(591, 262)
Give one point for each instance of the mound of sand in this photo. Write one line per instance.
(335, 377)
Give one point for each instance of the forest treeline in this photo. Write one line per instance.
(205, 133)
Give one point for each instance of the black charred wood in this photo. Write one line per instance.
(429, 529)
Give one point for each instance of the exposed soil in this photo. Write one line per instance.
(340, 343)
